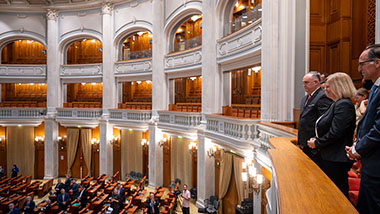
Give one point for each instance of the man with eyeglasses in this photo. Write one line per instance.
(313, 105)
(367, 144)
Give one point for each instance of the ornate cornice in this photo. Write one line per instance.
(52, 14)
(107, 8)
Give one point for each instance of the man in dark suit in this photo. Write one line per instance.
(121, 192)
(367, 144)
(152, 204)
(82, 198)
(75, 189)
(28, 205)
(313, 105)
(58, 187)
(67, 183)
(63, 200)
(13, 209)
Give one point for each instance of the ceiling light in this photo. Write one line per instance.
(140, 33)
(195, 17)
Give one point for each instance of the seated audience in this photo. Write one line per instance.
(63, 200)
(46, 208)
(152, 204)
(115, 201)
(82, 198)
(28, 206)
(13, 209)
(335, 130)
(15, 170)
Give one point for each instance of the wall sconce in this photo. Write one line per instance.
(211, 151)
(115, 140)
(94, 141)
(39, 140)
(145, 144)
(252, 181)
(193, 147)
(163, 143)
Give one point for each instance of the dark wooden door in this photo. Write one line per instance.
(230, 200)
(62, 158)
(3, 154)
(145, 160)
(95, 161)
(167, 164)
(116, 159)
(39, 163)
(79, 168)
(194, 172)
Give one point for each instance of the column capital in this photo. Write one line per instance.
(107, 8)
(52, 14)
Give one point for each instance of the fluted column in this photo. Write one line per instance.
(159, 81)
(211, 76)
(155, 156)
(109, 91)
(206, 171)
(53, 97)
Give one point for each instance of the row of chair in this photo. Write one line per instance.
(83, 105)
(22, 104)
(186, 107)
(136, 106)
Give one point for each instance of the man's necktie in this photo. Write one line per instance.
(308, 98)
(373, 91)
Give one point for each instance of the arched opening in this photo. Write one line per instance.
(189, 34)
(137, 45)
(23, 52)
(243, 13)
(85, 51)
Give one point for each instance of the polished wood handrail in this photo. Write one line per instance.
(302, 187)
(281, 127)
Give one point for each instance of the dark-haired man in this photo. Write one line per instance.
(313, 105)
(367, 145)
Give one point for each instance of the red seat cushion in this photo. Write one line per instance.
(353, 196)
(354, 184)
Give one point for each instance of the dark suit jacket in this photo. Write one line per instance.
(368, 137)
(316, 106)
(122, 195)
(67, 184)
(75, 189)
(60, 198)
(59, 187)
(336, 131)
(14, 211)
(31, 207)
(83, 197)
(155, 204)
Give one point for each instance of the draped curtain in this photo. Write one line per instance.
(237, 172)
(20, 149)
(225, 177)
(181, 161)
(131, 152)
(86, 135)
(72, 145)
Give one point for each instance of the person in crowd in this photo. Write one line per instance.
(15, 170)
(121, 192)
(367, 144)
(152, 204)
(186, 200)
(115, 201)
(67, 183)
(361, 101)
(29, 205)
(13, 209)
(2, 171)
(83, 195)
(46, 208)
(323, 80)
(313, 105)
(75, 189)
(334, 130)
(63, 200)
(58, 187)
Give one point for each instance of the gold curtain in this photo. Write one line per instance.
(180, 161)
(239, 182)
(225, 177)
(20, 150)
(86, 135)
(72, 145)
(131, 152)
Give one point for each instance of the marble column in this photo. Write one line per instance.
(159, 82)
(205, 170)
(53, 97)
(278, 60)
(109, 84)
(155, 156)
(227, 89)
(105, 147)
(211, 74)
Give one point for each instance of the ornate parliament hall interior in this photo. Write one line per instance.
(154, 96)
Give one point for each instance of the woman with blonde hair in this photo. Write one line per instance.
(334, 130)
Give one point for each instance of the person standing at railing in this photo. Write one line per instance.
(334, 130)
(313, 105)
(15, 170)
(367, 144)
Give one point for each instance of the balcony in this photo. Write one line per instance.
(244, 43)
(180, 121)
(9, 71)
(138, 118)
(138, 66)
(22, 116)
(81, 70)
(184, 60)
(79, 117)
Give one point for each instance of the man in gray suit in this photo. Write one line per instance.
(313, 105)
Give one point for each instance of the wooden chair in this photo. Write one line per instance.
(247, 113)
(240, 113)
(234, 112)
